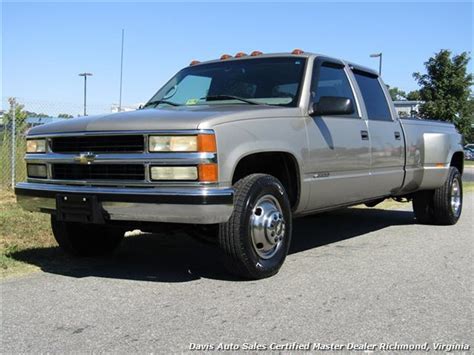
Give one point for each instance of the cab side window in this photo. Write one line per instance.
(374, 97)
(331, 81)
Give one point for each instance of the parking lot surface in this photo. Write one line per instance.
(356, 275)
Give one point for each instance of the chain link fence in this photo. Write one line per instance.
(17, 117)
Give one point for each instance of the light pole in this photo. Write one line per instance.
(121, 73)
(85, 75)
(379, 55)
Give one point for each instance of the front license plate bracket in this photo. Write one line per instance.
(79, 208)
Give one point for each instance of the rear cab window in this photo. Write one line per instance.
(373, 95)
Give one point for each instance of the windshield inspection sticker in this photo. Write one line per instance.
(192, 101)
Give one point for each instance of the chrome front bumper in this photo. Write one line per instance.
(173, 205)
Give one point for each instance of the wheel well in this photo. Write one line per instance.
(281, 165)
(458, 161)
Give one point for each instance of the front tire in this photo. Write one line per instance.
(257, 237)
(81, 239)
(442, 205)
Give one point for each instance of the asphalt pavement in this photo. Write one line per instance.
(353, 276)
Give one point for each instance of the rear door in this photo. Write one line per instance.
(386, 136)
(339, 156)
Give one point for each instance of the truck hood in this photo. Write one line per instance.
(176, 118)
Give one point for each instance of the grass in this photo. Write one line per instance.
(26, 239)
(468, 186)
(20, 230)
(468, 162)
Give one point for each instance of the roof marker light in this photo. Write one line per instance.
(297, 51)
(255, 53)
(225, 56)
(194, 62)
(240, 55)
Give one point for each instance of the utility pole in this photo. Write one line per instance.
(85, 75)
(379, 55)
(121, 73)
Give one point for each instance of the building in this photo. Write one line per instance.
(115, 108)
(407, 108)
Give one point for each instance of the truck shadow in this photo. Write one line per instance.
(178, 258)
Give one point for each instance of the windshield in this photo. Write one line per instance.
(265, 81)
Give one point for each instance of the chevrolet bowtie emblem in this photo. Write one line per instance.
(85, 158)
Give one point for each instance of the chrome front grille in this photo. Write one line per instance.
(128, 172)
(112, 159)
(99, 144)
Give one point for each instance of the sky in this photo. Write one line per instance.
(45, 45)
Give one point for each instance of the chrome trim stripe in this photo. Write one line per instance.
(170, 158)
(111, 133)
(124, 183)
(174, 195)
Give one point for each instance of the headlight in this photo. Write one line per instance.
(36, 146)
(200, 143)
(172, 143)
(173, 173)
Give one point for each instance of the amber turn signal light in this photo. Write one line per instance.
(208, 172)
(206, 143)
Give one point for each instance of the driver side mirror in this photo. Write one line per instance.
(332, 105)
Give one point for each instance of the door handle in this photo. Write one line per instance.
(397, 136)
(364, 135)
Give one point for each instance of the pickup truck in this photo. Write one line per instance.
(234, 149)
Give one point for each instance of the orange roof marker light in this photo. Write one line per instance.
(255, 53)
(240, 55)
(225, 56)
(297, 51)
(194, 62)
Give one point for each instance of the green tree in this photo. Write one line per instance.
(6, 143)
(446, 88)
(396, 93)
(469, 137)
(20, 118)
(65, 115)
(34, 114)
(413, 95)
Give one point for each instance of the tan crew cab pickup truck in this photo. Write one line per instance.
(235, 149)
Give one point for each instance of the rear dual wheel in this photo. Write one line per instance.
(442, 205)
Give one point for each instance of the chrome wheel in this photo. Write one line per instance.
(267, 226)
(456, 199)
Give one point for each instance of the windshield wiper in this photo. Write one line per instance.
(231, 97)
(157, 102)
